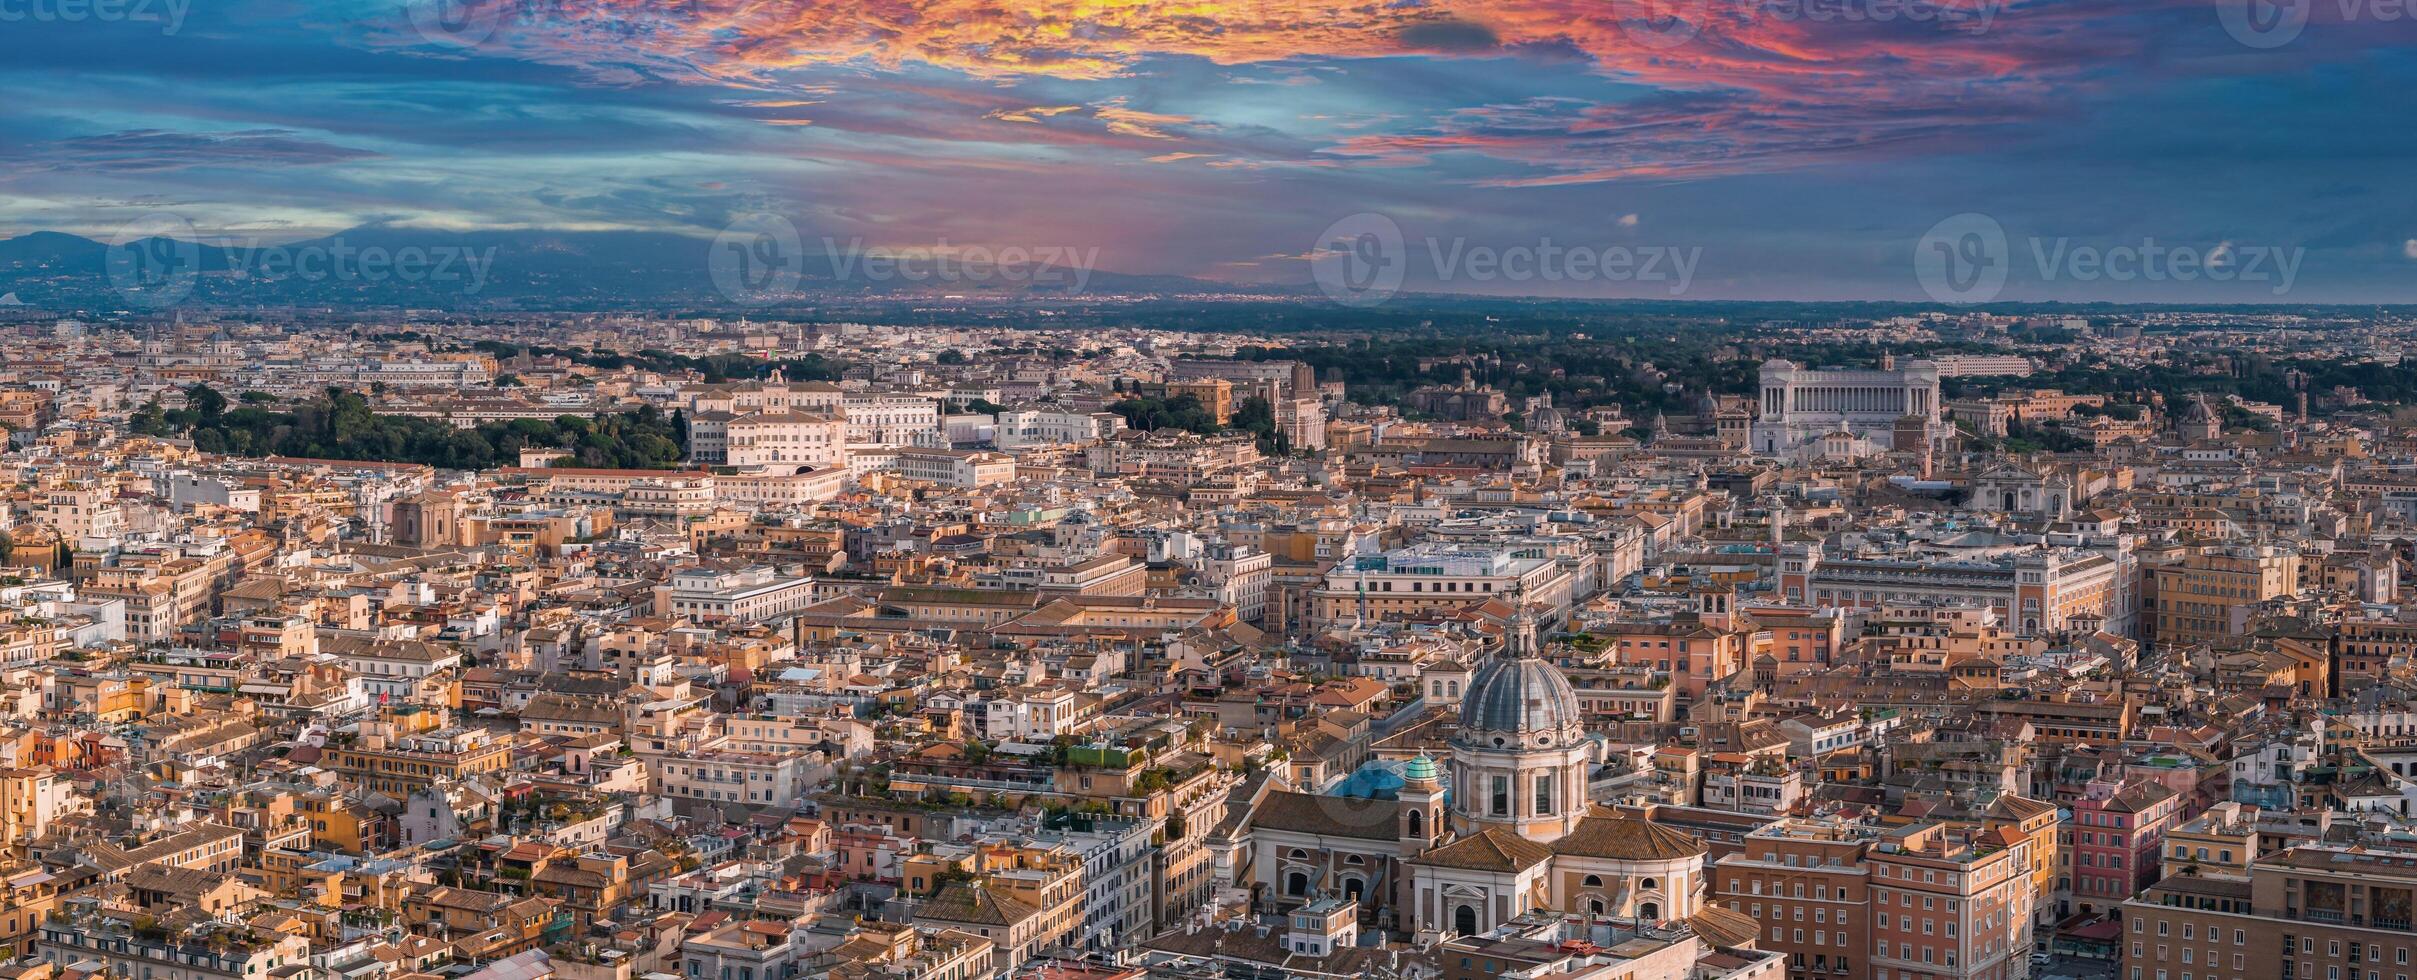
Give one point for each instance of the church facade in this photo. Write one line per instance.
(1501, 828)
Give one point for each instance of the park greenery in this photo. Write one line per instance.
(1252, 416)
(340, 424)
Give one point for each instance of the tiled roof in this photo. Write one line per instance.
(1627, 839)
(1333, 816)
(1491, 849)
(962, 902)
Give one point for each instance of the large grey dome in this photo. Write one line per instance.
(1518, 697)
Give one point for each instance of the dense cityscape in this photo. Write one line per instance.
(1208, 490)
(1943, 644)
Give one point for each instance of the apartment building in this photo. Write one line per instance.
(78, 510)
(1421, 580)
(161, 597)
(111, 945)
(1696, 649)
(1115, 854)
(1026, 899)
(1809, 883)
(209, 847)
(1976, 365)
(30, 799)
(749, 950)
(2118, 830)
(2034, 592)
(2318, 912)
(774, 491)
(1928, 900)
(481, 925)
(731, 776)
(963, 469)
(391, 669)
(1951, 902)
(2219, 843)
(1178, 459)
(902, 952)
(2210, 595)
(393, 759)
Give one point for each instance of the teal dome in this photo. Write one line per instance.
(1421, 768)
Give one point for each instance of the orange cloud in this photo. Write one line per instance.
(1133, 122)
(1030, 114)
(1789, 85)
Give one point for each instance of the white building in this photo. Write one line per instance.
(1240, 574)
(725, 776)
(1429, 578)
(1801, 406)
(964, 469)
(748, 595)
(785, 442)
(1029, 428)
(878, 419)
(1976, 365)
(1029, 715)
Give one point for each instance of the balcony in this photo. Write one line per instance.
(2322, 915)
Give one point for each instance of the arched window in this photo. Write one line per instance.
(1353, 859)
(1299, 854)
(1353, 888)
(1594, 906)
(1464, 920)
(1650, 910)
(1296, 884)
(1417, 824)
(1650, 884)
(1592, 881)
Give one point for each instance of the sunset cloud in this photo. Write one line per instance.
(1204, 137)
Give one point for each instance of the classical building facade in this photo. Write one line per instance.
(1826, 411)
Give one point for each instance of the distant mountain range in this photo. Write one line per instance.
(380, 266)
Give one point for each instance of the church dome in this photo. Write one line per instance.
(1518, 698)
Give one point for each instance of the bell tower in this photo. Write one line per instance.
(1423, 823)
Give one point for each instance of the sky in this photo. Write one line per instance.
(1955, 150)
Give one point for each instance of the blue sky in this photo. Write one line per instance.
(1800, 151)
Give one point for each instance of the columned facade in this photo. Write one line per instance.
(1802, 405)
